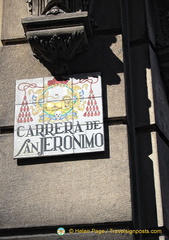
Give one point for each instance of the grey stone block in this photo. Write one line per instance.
(81, 189)
(116, 92)
(13, 11)
(116, 103)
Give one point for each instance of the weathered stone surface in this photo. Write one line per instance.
(116, 93)
(159, 97)
(13, 11)
(93, 188)
(116, 99)
(108, 236)
(1, 6)
(17, 62)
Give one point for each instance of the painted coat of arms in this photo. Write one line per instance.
(44, 104)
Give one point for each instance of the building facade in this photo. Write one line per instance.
(119, 191)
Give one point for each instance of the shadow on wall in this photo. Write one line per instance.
(105, 55)
(100, 58)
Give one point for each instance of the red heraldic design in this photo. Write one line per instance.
(24, 114)
(92, 108)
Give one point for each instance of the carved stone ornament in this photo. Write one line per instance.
(56, 39)
(38, 7)
(29, 2)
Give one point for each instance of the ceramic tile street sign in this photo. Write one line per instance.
(58, 117)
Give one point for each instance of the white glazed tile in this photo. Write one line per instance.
(37, 130)
(89, 139)
(88, 110)
(58, 128)
(57, 90)
(78, 108)
(27, 146)
(61, 143)
(87, 127)
(47, 125)
(87, 85)
(29, 90)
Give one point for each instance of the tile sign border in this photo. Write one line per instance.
(58, 117)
